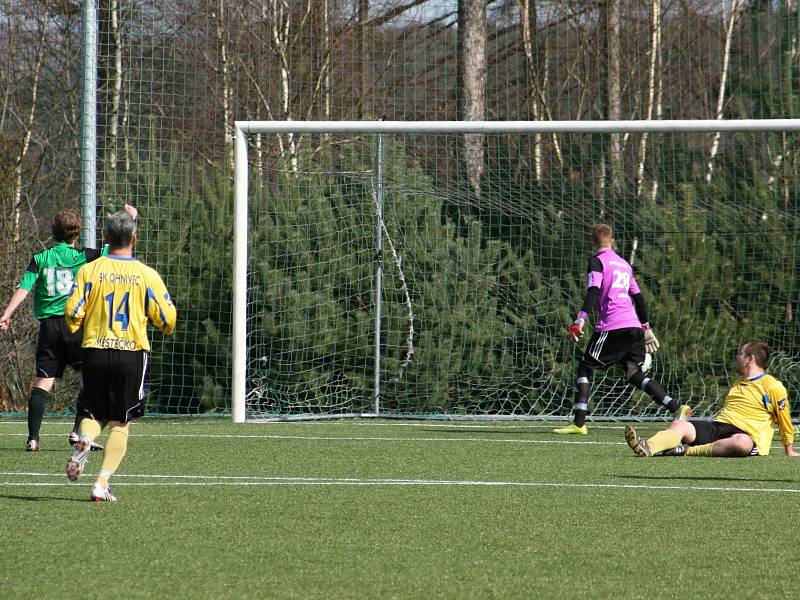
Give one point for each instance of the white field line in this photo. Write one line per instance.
(209, 480)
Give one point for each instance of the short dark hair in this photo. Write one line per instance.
(66, 226)
(760, 351)
(119, 229)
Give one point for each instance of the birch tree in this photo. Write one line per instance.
(221, 33)
(472, 93)
(653, 96)
(280, 28)
(538, 76)
(115, 103)
(614, 92)
(25, 118)
(736, 8)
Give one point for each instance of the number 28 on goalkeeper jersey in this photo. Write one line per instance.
(113, 298)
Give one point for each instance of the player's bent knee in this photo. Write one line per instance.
(743, 444)
(684, 430)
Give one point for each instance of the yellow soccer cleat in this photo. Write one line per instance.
(683, 414)
(572, 429)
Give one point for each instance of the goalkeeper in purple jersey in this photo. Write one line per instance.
(622, 335)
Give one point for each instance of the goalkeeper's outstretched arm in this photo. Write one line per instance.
(575, 330)
(590, 302)
(641, 307)
(651, 343)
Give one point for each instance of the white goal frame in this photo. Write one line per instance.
(244, 128)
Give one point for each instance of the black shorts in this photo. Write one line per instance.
(619, 346)
(56, 348)
(711, 431)
(113, 384)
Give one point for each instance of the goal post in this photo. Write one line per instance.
(517, 264)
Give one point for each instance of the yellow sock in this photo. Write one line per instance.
(90, 429)
(704, 450)
(663, 440)
(116, 445)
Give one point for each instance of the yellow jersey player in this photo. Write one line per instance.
(113, 299)
(755, 404)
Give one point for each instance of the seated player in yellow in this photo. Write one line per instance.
(755, 404)
(113, 300)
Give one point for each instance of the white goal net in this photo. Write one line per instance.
(431, 269)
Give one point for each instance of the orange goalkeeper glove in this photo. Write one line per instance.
(575, 330)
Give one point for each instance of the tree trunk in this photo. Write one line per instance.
(527, 23)
(27, 122)
(472, 62)
(653, 84)
(224, 67)
(363, 63)
(326, 78)
(281, 27)
(723, 80)
(614, 94)
(116, 93)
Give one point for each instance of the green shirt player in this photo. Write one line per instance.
(50, 276)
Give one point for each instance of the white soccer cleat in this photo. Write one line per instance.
(32, 446)
(78, 460)
(102, 494)
(74, 437)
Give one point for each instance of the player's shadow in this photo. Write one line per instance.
(41, 498)
(691, 478)
(65, 451)
(477, 430)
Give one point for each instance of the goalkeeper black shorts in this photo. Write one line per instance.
(618, 346)
(113, 384)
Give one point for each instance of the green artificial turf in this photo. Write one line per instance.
(388, 509)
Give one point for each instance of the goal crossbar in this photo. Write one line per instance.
(504, 127)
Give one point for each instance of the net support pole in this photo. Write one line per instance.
(89, 127)
(378, 266)
(240, 200)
